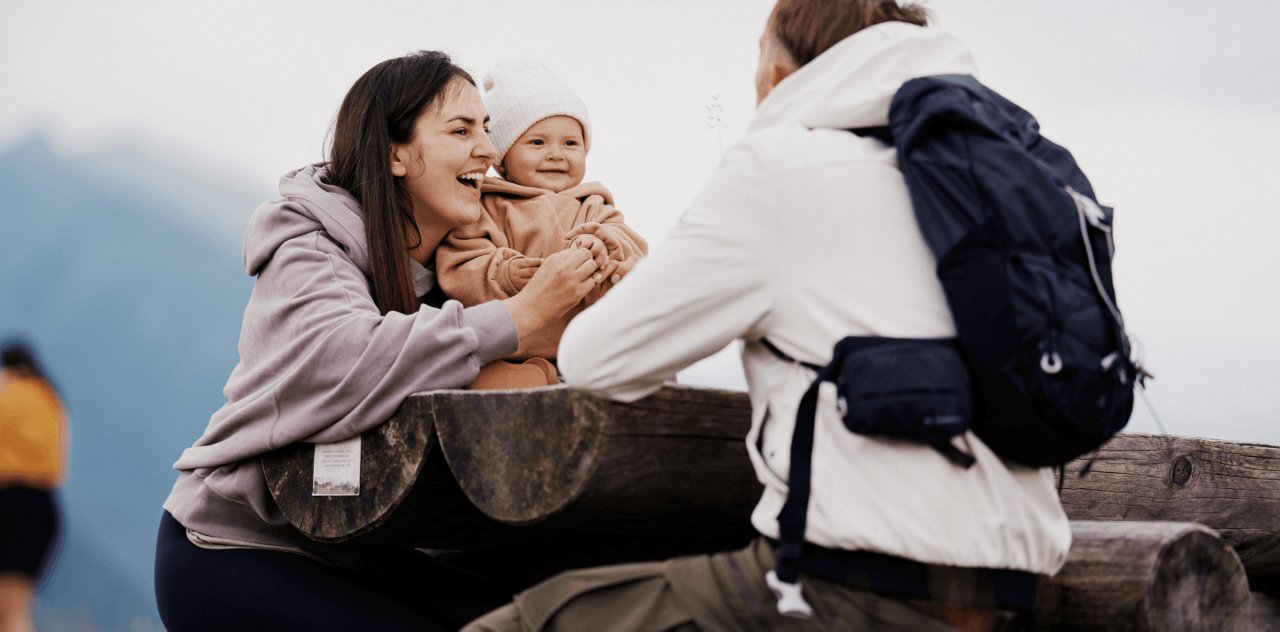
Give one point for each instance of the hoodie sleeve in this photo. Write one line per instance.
(320, 363)
(708, 284)
(606, 222)
(474, 262)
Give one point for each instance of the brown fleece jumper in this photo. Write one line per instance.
(474, 262)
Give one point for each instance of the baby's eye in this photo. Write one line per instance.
(571, 143)
(536, 141)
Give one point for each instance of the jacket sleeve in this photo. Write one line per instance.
(320, 363)
(606, 221)
(473, 264)
(709, 284)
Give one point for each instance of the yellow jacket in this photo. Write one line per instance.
(32, 432)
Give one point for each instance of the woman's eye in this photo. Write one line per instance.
(461, 131)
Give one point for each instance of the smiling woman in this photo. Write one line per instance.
(344, 322)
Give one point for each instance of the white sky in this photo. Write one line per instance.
(1171, 107)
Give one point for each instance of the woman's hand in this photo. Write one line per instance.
(559, 284)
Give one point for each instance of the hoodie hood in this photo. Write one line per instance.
(852, 83)
(308, 202)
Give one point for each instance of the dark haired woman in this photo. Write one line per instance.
(32, 450)
(335, 336)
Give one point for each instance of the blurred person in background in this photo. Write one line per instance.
(32, 466)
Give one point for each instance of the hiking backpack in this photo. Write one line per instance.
(1040, 368)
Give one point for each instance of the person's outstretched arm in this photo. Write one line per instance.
(708, 284)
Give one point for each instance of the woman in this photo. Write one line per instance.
(32, 454)
(335, 336)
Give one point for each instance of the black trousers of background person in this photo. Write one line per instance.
(29, 524)
(237, 589)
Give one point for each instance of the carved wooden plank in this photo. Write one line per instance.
(1146, 576)
(1233, 488)
(672, 463)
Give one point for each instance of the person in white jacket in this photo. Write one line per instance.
(805, 235)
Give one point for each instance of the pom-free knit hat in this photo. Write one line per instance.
(520, 93)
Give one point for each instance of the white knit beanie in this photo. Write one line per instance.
(520, 93)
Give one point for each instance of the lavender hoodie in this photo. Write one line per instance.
(318, 362)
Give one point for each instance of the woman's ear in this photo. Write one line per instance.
(399, 160)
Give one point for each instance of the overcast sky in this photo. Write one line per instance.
(1171, 107)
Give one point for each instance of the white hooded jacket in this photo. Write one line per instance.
(804, 235)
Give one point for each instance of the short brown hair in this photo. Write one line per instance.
(807, 28)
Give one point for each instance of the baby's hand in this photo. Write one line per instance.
(522, 269)
(599, 252)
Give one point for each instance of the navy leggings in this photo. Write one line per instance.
(239, 589)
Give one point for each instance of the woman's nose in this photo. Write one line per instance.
(485, 149)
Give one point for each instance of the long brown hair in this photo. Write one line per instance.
(380, 109)
(807, 28)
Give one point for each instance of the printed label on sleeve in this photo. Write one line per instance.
(337, 469)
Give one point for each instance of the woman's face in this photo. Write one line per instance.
(444, 163)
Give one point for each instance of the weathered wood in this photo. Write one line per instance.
(1146, 576)
(1233, 488)
(672, 463)
(554, 463)
(393, 456)
(1264, 612)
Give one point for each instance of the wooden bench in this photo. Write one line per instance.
(1168, 531)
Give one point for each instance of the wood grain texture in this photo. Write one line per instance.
(1146, 576)
(1233, 488)
(672, 463)
(392, 456)
(1264, 612)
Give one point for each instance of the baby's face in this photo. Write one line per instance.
(549, 155)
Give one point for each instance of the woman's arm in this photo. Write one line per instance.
(319, 362)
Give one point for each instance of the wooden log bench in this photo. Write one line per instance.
(562, 471)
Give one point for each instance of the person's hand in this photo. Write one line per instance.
(611, 244)
(593, 244)
(623, 269)
(521, 270)
(558, 285)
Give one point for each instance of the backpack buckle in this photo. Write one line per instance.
(791, 602)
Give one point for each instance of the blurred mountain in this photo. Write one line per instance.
(134, 306)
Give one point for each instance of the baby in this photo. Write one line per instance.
(539, 206)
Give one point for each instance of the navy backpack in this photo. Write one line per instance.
(1040, 368)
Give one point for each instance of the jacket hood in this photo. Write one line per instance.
(307, 203)
(852, 83)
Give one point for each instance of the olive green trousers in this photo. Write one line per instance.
(725, 591)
